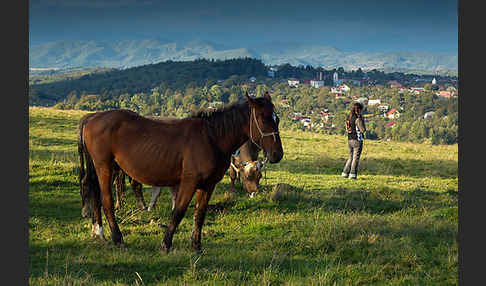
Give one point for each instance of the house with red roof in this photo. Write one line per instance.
(326, 116)
(284, 103)
(343, 88)
(417, 90)
(444, 94)
(392, 114)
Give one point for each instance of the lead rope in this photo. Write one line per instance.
(262, 135)
(265, 169)
(251, 133)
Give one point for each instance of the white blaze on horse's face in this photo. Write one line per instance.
(248, 167)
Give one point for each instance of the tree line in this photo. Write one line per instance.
(164, 101)
(179, 75)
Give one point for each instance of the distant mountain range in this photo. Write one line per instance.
(129, 53)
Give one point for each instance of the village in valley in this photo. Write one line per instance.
(340, 89)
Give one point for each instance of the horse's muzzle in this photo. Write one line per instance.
(275, 157)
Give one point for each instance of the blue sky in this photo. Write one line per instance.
(347, 25)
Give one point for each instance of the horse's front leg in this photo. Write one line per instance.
(202, 201)
(97, 227)
(183, 198)
(233, 176)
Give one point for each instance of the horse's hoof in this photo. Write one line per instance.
(97, 233)
(99, 238)
(165, 248)
(122, 246)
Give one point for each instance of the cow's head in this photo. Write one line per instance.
(251, 174)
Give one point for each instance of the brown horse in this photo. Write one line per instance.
(191, 154)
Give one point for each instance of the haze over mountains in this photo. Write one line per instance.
(129, 53)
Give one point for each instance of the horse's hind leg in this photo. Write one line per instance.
(137, 191)
(97, 228)
(173, 194)
(184, 195)
(105, 180)
(202, 201)
(119, 181)
(155, 196)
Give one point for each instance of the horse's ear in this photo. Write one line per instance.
(250, 99)
(267, 96)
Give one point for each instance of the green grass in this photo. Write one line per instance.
(396, 225)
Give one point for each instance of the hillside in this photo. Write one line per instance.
(396, 225)
(129, 53)
(144, 78)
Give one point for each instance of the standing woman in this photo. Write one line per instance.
(355, 127)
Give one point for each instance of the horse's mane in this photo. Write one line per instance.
(228, 118)
(223, 120)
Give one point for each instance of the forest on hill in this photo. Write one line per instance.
(178, 75)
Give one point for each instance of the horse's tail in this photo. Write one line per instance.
(81, 151)
(88, 180)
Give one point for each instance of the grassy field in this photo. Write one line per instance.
(396, 225)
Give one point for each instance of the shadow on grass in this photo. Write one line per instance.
(372, 166)
(56, 207)
(90, 258)
(383, 203)
(344, 200)
(53, 122)
(289, 255)
(50, 141)
(50, 184)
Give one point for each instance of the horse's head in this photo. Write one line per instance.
(264, 127)
(251, 173)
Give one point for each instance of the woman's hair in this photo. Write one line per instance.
(356, 109)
